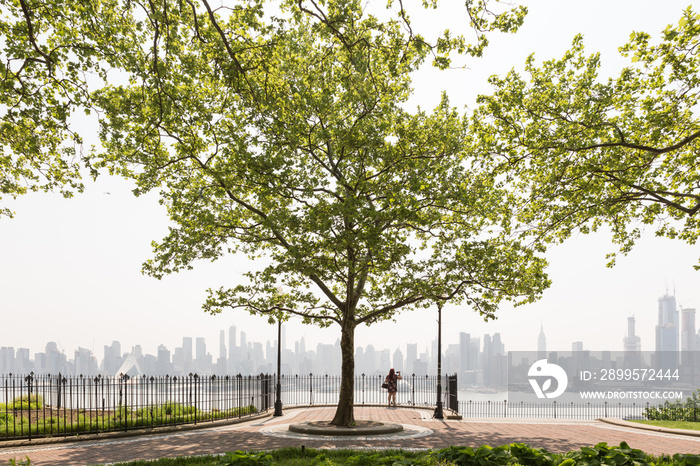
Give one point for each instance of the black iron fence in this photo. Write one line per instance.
(53, 405)
(412, 390)
(553, 410)
(46, 405)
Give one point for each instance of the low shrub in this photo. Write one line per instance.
(613, 456)
(28, 402)
(6, 417)
(241, 458)
(688, 410)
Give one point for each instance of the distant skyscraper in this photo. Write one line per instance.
(667, 332)
(231, 346)
(112, 358)
(22, 361)
(688, 329)
(85, 362)
(56, 361)
(398, 360)
(541, 344)
(688, 336)
(411, 357)
(163, 365)
(632, 346)
(497, 346)
(7, 360)
(201, 350)
(187, 354)
(464, 343)
(284, 337)
(632, 342)
(577, 346)
(474, 353)
(370, 363)
(493, 360)
(203, 359)
(222, 344)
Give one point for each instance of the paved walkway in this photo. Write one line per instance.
(420, 432)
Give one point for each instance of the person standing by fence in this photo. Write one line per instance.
(392, 381)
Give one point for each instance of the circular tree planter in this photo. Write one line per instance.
(360, 428)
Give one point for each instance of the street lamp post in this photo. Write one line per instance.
(278, 400)
(438, 408)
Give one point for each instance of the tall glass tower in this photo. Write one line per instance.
(667, 333)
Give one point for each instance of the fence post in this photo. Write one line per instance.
(452, 399)
(29, 379)
(363, 388)
(311, 388)
(196, 382)
(125, 378)
(59, 391)
(265, 390)
(413, 389)
(239, 386)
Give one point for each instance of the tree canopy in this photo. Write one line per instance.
(586, 152)
(48, 55)
(285, 138)
(53, 53)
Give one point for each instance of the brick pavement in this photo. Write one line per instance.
(554, 435)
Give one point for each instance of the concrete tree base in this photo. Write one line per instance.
(361, 428)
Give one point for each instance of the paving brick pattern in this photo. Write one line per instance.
(554, 435)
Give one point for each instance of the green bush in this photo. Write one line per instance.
(482, 456)
(523, 454)
(167, 414)
(613, 456)
(241, 458)
(688, 410)
(515, 454)
(5, 416)
(28, 402)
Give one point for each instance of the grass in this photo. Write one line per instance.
(688, 425)
(79, 422)
(299, 457)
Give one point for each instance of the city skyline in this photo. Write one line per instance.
(71, 267)
(474, 357)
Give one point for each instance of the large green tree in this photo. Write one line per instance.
(277, 130)
(286, 140)
(585, 152)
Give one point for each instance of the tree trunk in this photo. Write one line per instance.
(344, 415)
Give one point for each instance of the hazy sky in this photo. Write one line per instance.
(70, 269)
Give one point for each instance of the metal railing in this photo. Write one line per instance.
(48, 405)
(35, 406)
(552, 410)
(309, 390)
